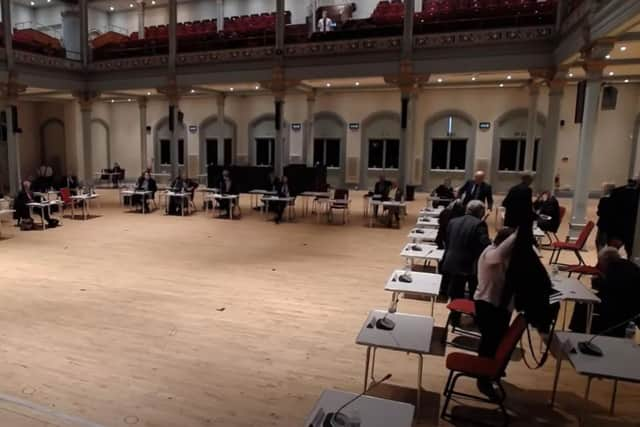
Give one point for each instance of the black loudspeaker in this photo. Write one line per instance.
(582, 88)
(405, 112)
(148, 129)
(278, 115)
(180, 117)
(172, 111)
(609, 98)
(561, 123)
(14, 120)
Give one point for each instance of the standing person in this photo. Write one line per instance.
(444, 192)
(21, 206)
(518, 203)
(605, 217)
(145, 183)
(226, 187)
(477, 189)
(283, 191)
(467, 237)
(116, 174)
(624, 206)
(547, 209)
(325, 24)
(492, 316)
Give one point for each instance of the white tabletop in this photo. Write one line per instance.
(45, 203)
(315, 194)
(132, 192)
(174, 194)
(85, 196)
(277, 199)
(421, 283)
(424, 234)
(428, 222)
(429, 213)
(619, 361)
(6, 211)
(209, 190)
(387, 203)
(538, 233)
(372, 411)
(262, 192)
(572, 289)
(426, 252)
(412, 333)
(225, 196)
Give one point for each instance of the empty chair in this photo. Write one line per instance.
(575, 247)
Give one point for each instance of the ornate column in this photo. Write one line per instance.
(593, 65)
(7, 27)
(220, 127)
(142, 107)
(9, 93)
(85, 168)
(84, 32)
(280, 24)
(220, 15)
(532, 121)
(407, 30)
(173, 93)
(546, 172)
(307, 151)
(141, 10)
(173, 42)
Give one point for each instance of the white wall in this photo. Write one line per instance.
(49, 15)
(20, 14)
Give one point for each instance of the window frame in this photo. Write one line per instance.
(448, 140)
(270, 152)
(323, 161)
(384, 154)
(520, 154)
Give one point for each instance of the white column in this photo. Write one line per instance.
(173, 42)
(411, 137)
(587, 139)
(87, 149)
(220, 15)
(279, 155)
(175, 168)
(532, 121)
(308, 130)
(13, 150)
(220, 126)
(405, 97)
(546, 173)
(141, 12)
(142, 106)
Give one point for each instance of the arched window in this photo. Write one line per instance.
(329, 146)
(217, 148)
(381, 150)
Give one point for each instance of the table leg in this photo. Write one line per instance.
(420, 366)
(589, 317)
(230, 208)
(555, 380)
(588, 390)
(612, 408)
(433, 304)
(564, 316)
(366, 369)
(373, 365)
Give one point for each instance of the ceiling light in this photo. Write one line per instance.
(231, 89)
(626, 80)
(193, 91)
(473, 79)
(509, 77)
(153, 2)
(570, 74)
(113, 100)
(48, 1)
(611, 73)
(439, 79)
(608, 57)
(130, 4)
(328, 84)
(257, 87)
(111, 8)
(357, 83)
(148, 93)
(501, 84)
(128, 99)
(32, 3)
(623, 48)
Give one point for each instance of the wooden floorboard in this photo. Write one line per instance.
(151, 320)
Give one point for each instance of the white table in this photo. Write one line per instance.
(618, 363)
(183, 197)
(571, 289)
(275, 199)
(142, 193)
(44, 205)
(49, 195)
(426, 253)
(84, 200)
(231, 198)
(430, 212)
(424, 284)
(427, 223)
(436, 199)
(256, 194)
(372, 411)
(312, 195)
(419, 235)
(205, 193)
(412, 334)
(4, 212)
(386, 204)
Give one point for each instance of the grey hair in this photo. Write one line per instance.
(608, 254)
(475, 208)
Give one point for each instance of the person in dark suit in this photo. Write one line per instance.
(476, 189)
(71, 182)
(547, 209)
(145, 183)
(518, 203)
(624, 206)
(282, 191)
(393, 212)
(467, 236)
(605, 217)
(177, 204)
(21, 206)
(618, 286)
(117, 172)
(380, 192)
(226, 187)
(445, 192)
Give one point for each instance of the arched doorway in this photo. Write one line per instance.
(381, 151)
(509, 148)
(217, 148)
(449, 148)
(262, 141)
(163, 150)
(101, 145)
(330, 146)
(52, 145)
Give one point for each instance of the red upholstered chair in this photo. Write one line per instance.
(583, 270)
(576, 246)
(472, 366)
(460, 305)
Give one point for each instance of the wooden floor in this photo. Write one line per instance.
(151, 320)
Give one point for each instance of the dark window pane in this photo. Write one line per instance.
(508, 154)
(264, 151)
(376, 148)
(165, 152)
(439, 153)
(318, 151)
(181, 151)
(392, 154)
(228, 152)
(458, 159)
(212, 152)
(535, 155)
(333, 153)
(523, 154)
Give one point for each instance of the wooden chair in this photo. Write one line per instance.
(576, 247)
(340, 202)
(492, 370)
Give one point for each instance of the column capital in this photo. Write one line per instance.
(406, 80)
(279, 84)
(221, 98)
(311, 95)
(173, 91)
(86, 99)
(534, 87)
(595, 57)
(11, 89)
(142, 102)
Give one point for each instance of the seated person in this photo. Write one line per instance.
(396, 194)
(116, 176)
(273, 184)
(548, 210)
(23, 212)
(380, 192)
(191, 187)
(145, 183)
(283, 191)
(443, 191)
(226, 187)
(177, 204)
(71, 182)
(618, 287)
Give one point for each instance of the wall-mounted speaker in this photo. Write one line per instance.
(405, 112)
(14, 120)
(278, 114)
(149, 129)
(609, 98)
(561, 123)
(180, 117)
(582, 88)
(172, 111)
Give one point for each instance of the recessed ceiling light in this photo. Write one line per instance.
(608, 57)
(626, 80)
(193, 91)
(113, 100)
(111, 8)
(257, 87)
(611, 73)
(148, 93)
(328, 84)
(570, 74)
(623, 48)
(357, 83)
(32, 3)
(128, 99)
(130, 4)
(48, 1)
(231, 89)
(501, 84)
(473, 79)
(509, 77)
(153, 2)
(439, 79)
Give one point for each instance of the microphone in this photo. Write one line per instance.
(589, 348)
(338, 419)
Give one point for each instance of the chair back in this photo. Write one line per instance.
(562, 211)
(584, 235)
(341, 194)
(509, 342)
(65, 195)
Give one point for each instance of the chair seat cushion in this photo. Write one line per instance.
(565, 245)
(473, 365)
(462, 305)
(584, 269)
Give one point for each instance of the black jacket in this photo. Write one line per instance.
(20, 204)
(484, 193)
(467, 237)
(619, 291)
(551, 208)
(605, 219)
(151, 185)
(624, 208)
(519, 206)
